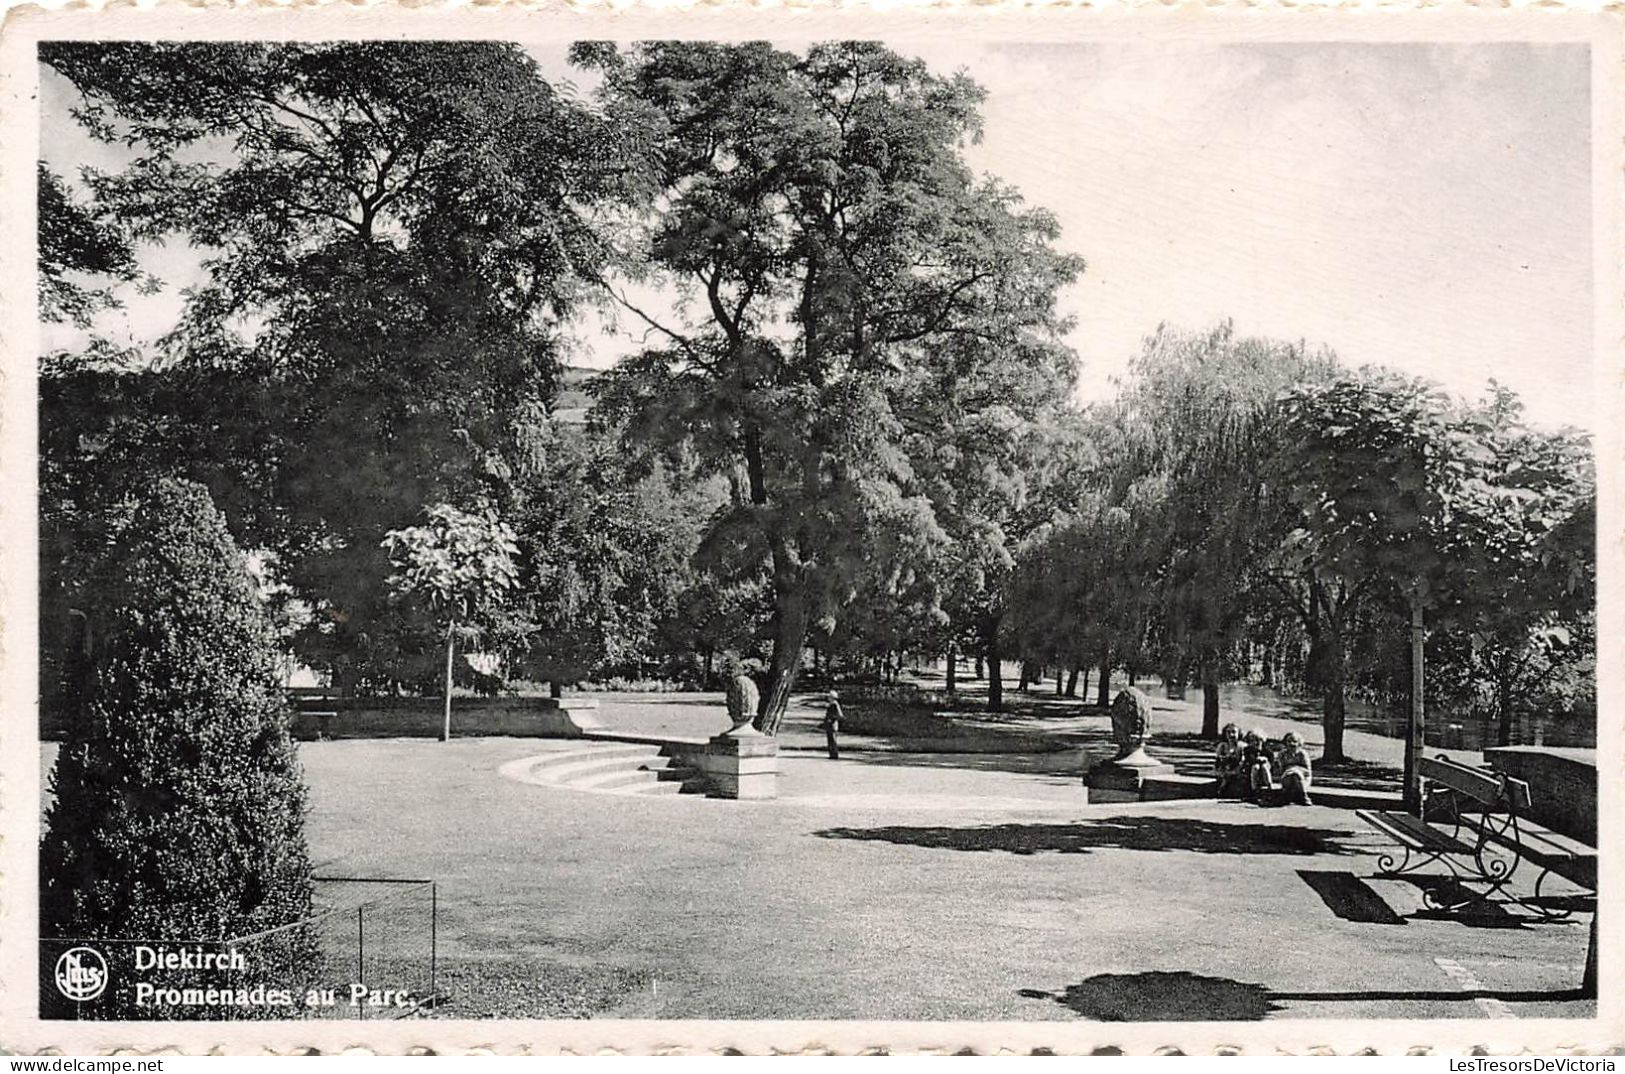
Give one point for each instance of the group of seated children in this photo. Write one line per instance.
(1248, 767)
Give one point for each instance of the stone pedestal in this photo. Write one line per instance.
(740, 766)
(1125, 780)
(568, 717)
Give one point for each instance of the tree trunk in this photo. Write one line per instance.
(1413, 738)
(977, 672)
(1210, 701)
(953, 669)
(1071, 682)
(1021, 682)
(555, 689)
(1060, 687)
(1503, 701)
(451, 641)
(790, 631)
(1333, 679)
(1104, 698)
(995, 673)
(1265, 676)
(1333, 709)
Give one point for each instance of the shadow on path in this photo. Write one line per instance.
(1124, 833)
(1161, 997)
(1349, 897)
(1188, 997)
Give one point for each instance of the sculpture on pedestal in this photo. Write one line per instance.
(1131, 723)
(743, 698)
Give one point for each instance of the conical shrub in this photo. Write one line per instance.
(178, 811)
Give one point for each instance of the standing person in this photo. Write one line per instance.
(1293, 761)
(832, 724)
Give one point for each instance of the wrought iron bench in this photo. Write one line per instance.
(1474, 823)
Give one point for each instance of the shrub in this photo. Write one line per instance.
(178, 810)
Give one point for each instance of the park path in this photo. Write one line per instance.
(699, 908)
(704, 714)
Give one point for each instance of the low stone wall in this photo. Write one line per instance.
(472, 717)
(1562, 785)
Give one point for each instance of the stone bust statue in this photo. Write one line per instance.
(1131, 721)
(743, 698)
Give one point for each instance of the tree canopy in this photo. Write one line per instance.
(850, 425)
(843, 264)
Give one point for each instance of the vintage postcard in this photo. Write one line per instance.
(1032, 530)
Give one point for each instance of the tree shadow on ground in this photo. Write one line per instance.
(1159, 996)
(1120, 833)
(1349, 897)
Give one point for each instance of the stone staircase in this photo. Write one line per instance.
(608, 768)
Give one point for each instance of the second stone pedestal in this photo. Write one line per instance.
(740, 766)
(1122, 781)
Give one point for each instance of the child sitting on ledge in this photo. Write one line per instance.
(1255, 763)
(1293, 762)
(1227, 770)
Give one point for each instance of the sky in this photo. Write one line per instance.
(1421, 206)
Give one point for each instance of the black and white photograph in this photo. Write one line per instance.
(518, 523)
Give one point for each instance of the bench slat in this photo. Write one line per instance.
(1477, 785)
(1413, 831)
(1568, 858)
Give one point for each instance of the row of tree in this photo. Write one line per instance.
(849, 428)
(1266, 511)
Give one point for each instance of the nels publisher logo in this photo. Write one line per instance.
(81, 974)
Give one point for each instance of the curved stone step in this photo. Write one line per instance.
(583, 769)
(606, 750)
(608, 768)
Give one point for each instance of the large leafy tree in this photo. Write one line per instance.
(1524, 532)
(605, 550)
(393, 235)
(1204, 408)
(1083, 589)
(837, 259)
(1374, 464)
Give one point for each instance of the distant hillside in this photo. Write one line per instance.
(573, 398)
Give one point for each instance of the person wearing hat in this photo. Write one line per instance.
(832, 724)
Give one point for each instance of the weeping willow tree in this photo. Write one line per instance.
(1203, 408)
